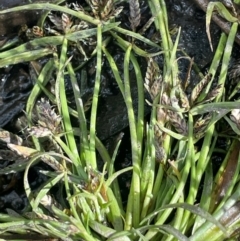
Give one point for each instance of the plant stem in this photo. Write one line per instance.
(133, 206)
(92, 160)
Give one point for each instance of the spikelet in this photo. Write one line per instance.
(199, 87)
(201, 125)
(235, 117)
(234, 72)
(160, 154)
(153, 79)
(178, 122)
(52, 162)
(135, 14)
(78, 7)
(214, 93)
(158, 134)
(37, 32)
(149, 74)
(8, 137)
(116, 12)
(39, 131)
(165, 100)
(80, 26)
(162, 117)
(66, 23)
(102, 9)
(106, 9)
(183, 99)
(234, 77)
(47, 116)
(94, 4)
(57, 21)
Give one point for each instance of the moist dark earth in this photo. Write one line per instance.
(112, 116)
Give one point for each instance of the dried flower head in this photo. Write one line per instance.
(8, 137)
(135, 14)
(153, 78)
(183, 99)
(234, 72)
(103, 9)
(199, 87)
(39, 131)
(47, 117)
(201, 125)
(178, 122)
(160, 153)
(62, 23)
(235, 117)
(214, 93)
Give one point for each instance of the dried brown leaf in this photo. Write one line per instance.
(22, 150)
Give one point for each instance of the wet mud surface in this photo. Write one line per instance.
(112, 116)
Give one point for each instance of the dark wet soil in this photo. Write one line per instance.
(112, 116)
(10, 22)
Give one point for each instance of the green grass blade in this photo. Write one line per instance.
(92, 160)
(63, 105)
(45, 189)
(201, 109)
(84, 145)
(136, 36)
(53, 7)
(133, 208)
(25, 57)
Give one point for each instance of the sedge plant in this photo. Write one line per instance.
(169, 162)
